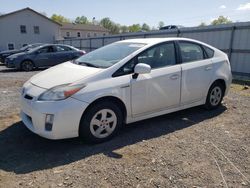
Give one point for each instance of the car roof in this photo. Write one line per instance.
(36, 44)
(72, 47)
(44, 45)
(157, 40)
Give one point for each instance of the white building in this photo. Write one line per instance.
(26, 26)
(72, 30)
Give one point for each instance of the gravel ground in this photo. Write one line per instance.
(190, 148)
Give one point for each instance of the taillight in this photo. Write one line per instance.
(82, 52)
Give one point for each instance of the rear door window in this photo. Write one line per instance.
(63, 48)
(191, 52)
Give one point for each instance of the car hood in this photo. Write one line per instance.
(16, 55)
(9, 52)
(62, 74)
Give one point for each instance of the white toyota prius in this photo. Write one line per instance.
(124, 82)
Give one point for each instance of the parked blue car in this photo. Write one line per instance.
(6, 53)
(43, 56)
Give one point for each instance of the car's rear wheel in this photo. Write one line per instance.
(215, 96)
(101, 122)
(27, 65)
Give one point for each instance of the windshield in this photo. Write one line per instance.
(30, 47)
(31, 50)
(108, 55)
(25, 47)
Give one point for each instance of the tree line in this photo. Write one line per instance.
(107, 23)
(116, 28)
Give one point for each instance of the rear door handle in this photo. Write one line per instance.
(174, 77)
(208, 68)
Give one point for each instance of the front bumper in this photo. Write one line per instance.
(9, 63)
(67, 114)
(1, 59)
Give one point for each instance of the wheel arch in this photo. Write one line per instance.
(113, 99)
(220, 81)
(27, 59)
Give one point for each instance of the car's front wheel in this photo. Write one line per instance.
(27, 65)
(101, 122)
(215, 96)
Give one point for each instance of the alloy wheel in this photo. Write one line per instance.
(215, 96)
(27, 65)
(103, 123)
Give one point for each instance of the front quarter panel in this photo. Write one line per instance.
(118, 87)
(20, 59)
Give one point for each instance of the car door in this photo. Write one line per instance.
(63, 54)
(197, 72)
(159, 89)
(45, 56)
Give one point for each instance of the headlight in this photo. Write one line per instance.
(25, 85)
(12, 58)
(60, 92)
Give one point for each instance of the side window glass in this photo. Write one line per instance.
(209, 52)
(59, 49)
(43, 50)
(51, 49)
(62, 48)
(160, 56)
(191, 52)
(128, 68)
(66, 48)
(47, 49)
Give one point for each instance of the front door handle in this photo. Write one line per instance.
(208, 68)
(174, 77)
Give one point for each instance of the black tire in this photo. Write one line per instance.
(86, 129)
(211, 102)
(27, 65)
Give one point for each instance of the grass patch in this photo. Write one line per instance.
(241, 89)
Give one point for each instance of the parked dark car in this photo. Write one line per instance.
(171, 27)
(43, 56)
(4, 54)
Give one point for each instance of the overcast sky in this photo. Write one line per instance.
(177, 12)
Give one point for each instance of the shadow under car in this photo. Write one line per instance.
(25, 152)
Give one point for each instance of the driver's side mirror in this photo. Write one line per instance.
(141, 68)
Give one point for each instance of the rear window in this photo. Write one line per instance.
(209, 51)
(63, 48)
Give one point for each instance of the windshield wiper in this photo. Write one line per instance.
(87, 64)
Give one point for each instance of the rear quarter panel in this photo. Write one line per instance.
(222, 70)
